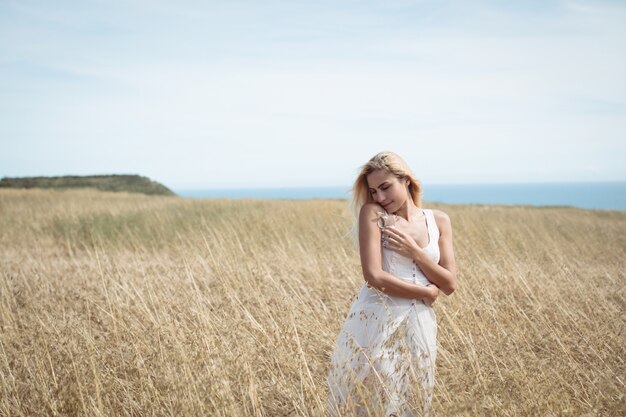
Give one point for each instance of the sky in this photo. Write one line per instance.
(245, 94)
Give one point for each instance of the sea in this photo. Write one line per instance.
(588, 195)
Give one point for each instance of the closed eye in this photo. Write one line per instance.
(374, 191)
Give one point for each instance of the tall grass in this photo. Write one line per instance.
(126, 304)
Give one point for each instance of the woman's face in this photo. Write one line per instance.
(387, 190)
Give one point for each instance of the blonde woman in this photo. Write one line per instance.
(384, 358)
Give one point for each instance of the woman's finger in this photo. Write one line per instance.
(393, 233)
(393, 230)
(390, 237)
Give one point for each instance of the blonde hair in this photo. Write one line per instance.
(390, 162)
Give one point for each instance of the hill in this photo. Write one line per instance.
(128, 183)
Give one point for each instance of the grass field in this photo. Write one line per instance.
(134, 305)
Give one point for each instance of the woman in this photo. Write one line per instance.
(384, 358)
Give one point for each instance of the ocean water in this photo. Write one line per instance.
(591, 195)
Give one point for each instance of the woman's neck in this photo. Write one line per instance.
(408, 210)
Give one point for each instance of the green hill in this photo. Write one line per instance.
(128, 183)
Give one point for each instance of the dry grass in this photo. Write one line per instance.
(120, 304)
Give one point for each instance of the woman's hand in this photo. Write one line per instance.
(435, 293)
(400, 242)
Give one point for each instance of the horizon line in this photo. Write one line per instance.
(183, 188)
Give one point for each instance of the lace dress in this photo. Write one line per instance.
(384, 358)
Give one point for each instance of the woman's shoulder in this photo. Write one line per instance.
(371, 207)
(442, 218)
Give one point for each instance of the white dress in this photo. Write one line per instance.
(384, 359)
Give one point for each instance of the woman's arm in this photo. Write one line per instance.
(371, 260)
(389, 284)
(443, 274)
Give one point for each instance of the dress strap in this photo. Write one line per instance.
(432, 224)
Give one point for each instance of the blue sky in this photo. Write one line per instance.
(220, 94)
